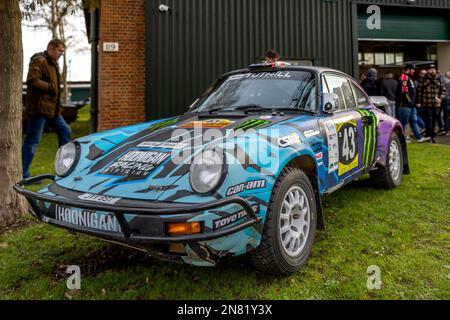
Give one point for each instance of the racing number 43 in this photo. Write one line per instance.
(349, 144)
(348, 147)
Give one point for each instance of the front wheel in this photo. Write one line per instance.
(390, 175)
(290, 225)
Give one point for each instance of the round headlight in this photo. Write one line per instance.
(65, 159)
(206, 171)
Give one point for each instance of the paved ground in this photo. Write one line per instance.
(443, 140)
(439, 139)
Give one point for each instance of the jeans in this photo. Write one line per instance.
(420, 122)
(34, 134)
(431, 115)
(409, 115)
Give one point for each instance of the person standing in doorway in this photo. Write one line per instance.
(405, 98)
(446, 104)
(389, 89)
(43, 101)
(370, 83)
(421, 74)
(430, 93)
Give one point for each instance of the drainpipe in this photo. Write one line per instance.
(94, 71)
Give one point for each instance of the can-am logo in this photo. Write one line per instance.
(244, 186)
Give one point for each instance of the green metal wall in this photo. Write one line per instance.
(188, 47)
(403, 3)
(406, 24)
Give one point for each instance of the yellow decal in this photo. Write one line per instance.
(209, 124)
(348, 146)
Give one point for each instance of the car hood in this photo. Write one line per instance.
(137, 161)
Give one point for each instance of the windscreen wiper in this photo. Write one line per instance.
(213, 107)
(246, 108)
(253, 107)
(250, 107)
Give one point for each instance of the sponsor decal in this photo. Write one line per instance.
(163, 145)
(289, 140)
(319, 157)
(227, 220)
(316, 147)
(87, 218)
(310, 133)
(244, 186)
(98, 198)
(163, 124)
(333, 146)
(261, 75)
(265, 117)
(251, 124)
(208, 124)
(136, 163)
(348, 146)
(370, 138)
(362, 100)
(160, 188)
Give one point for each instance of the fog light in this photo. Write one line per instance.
(183, 228)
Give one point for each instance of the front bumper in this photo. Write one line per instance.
(154, 211)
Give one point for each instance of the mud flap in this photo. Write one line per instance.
(320, 217)
(405, 154)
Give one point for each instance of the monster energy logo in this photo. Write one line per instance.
(370, 138)
(163, 124)
(251, 124)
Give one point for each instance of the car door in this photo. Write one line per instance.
(343, 131)
(369, 123)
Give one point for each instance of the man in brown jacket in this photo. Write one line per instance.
(43, 102)
(430, 92)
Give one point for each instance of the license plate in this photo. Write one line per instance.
(104, 221)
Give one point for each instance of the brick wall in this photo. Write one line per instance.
(122, 74)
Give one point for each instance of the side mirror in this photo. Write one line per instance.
(379, 101)
(331, 102)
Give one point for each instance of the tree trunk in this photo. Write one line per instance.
(62, 36)
(54, 20)
(11, 62)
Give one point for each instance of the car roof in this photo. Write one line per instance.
(314, 69)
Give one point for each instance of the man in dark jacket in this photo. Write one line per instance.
(430, 93)
(405, 97)
(389, 90)
(370, 83)
(43, 101)
(446, 104)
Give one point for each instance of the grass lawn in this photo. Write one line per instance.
(405, 232)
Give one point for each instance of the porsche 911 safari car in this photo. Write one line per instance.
(244, 170)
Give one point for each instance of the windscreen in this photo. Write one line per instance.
(273, 90)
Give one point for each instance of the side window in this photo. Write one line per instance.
(341, 87)
(348, 94)
(361, 98)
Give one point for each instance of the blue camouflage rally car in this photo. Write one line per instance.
(244, 170)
